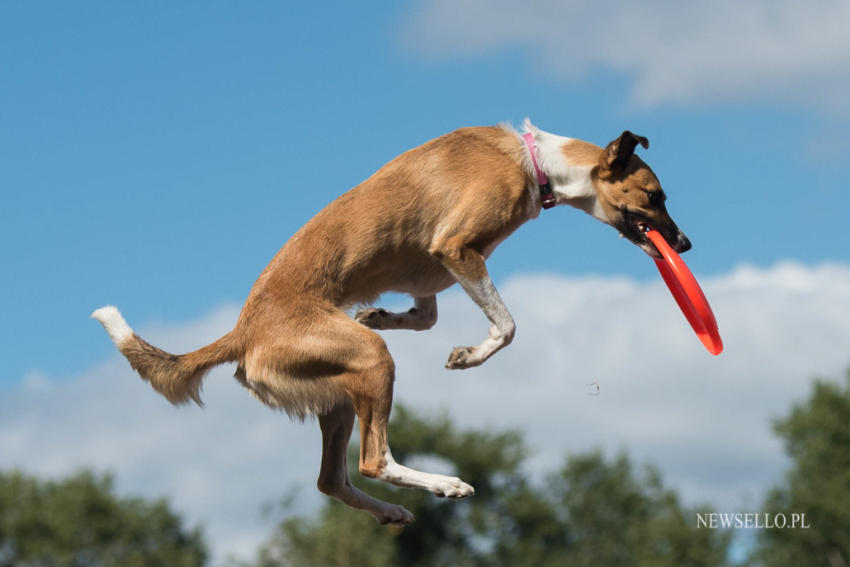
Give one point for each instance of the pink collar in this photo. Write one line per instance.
(547, 198)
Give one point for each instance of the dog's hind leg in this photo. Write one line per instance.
(336, 367)
(441, 485)
(370, 389)
(336, 426)
(420, 317)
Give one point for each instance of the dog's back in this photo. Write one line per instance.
(382, 235)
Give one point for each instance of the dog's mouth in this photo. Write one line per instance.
(634, 227)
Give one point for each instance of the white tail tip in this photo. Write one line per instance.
(111, 319)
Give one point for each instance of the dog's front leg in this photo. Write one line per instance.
(468, 268)
(420, 317)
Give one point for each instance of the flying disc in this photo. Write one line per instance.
(687, 293)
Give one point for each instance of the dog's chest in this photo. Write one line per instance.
(420, 278)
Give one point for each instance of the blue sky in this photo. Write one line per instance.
(156, 155)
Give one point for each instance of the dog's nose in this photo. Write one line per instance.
(683, 245)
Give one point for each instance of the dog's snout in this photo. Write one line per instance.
(683, 244)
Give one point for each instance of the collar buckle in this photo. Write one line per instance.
(547, 197)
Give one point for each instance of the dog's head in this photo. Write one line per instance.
(631, 197)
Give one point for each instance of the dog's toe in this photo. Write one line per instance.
(454, 488)
(373, 318)
(397, 516)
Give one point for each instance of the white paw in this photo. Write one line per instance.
(463, 357)
(452, 487)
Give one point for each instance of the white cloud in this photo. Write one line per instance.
(670, 51)
(704, 420)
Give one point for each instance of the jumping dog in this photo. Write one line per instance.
(424, 221)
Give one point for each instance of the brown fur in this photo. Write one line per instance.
(177, 377)
(579, 152)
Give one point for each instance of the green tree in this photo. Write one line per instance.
(817, 438)
(79, 521)
(615, 515)
(591, 512)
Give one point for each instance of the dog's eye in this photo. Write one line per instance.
(656, 198)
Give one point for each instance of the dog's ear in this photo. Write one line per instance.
(618, 152)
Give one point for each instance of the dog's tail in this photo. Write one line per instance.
(177, 377)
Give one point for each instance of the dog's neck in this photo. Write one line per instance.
(547, 197)
(571, 182)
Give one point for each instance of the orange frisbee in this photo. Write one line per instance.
(687, 293)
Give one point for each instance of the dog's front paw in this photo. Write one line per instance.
(374, 318)
(462, 357)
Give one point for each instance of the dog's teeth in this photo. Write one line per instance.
(622, 235)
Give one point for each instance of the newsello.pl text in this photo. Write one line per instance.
(758, 521)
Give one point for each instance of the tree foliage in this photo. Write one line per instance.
(817, 439)
(79, 521)
(593, 511)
